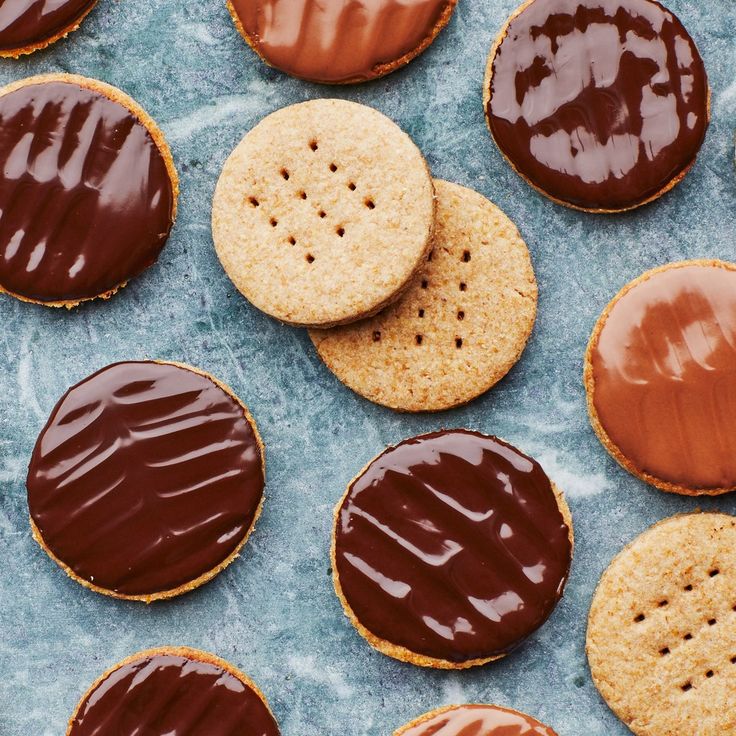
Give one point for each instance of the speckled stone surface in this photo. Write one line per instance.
(273, 612)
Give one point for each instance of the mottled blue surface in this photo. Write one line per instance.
(273, 613)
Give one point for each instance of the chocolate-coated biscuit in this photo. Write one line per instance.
(323, 213)
(339, 42)
(661, 639)
(474, 720)
(146, 480)
(601, 106)
(88, 189)
(450, 549)
(458, 329)
(660, 377)
(173, 690)
(29, 25)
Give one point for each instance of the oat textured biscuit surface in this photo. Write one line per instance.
(662, 629)
(323, 213)
(461, 325)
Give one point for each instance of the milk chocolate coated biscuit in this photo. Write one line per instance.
(660, 374)
(661, 637)
(450, 549)
(601, 105)
(87, 189)
(475, 720)
(336, 41)
(175, 691)
(29, 25)
(146, 480)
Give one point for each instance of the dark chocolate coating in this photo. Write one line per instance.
(145, 477)
(86, 200)
(599, 103)
(25, 23)
(452, 545)
(172, 695)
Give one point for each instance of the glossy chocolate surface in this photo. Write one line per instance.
(337, 40)
(479, 720)
(24, 23)
(664, 371)
(452, 545)
(86, 200)
(599, 103)
(172, 695)
(145, 477)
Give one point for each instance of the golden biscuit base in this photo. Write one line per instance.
(193, 654)
(380, 71)
(116, 95)
(661, 640)
(589, 383)
(458, 329)
(487, 98)
(396, 651)
(204, 577)
(323, 213)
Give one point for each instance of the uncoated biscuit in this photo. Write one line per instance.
(662, 629)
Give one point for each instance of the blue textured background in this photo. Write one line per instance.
(273, 613)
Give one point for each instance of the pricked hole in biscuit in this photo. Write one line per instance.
(709, 673)
(284, 174)
(664, 651)
(274, 222)
(687, 637)
(313, 145)
(352, 186)
(333, 167)
(425, 283)
(714, 572)
(421, 313)
(253, 202)
(418, 339)
(458, 342)
(376, 335)
(461, 315)
(733, 660)
(302, 194)
(712, 622)
(292, 240)
(431, 254)
(638, 619)
(322, 214)
(688, 587)
(661, 604)
(370, 204)
(340, 232)
(463, 286)
(466, 256)
(687, 686)
(310, 258)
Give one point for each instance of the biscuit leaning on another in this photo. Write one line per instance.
(323, 213)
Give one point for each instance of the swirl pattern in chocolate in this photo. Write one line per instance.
(25, 23)
(664, 374)
(601, 104)
(146, 477)
(478, 720)
(86, 199)
(160, 693)
(451, 545)
(340, 41)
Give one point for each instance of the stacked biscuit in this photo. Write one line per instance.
(419, 294)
